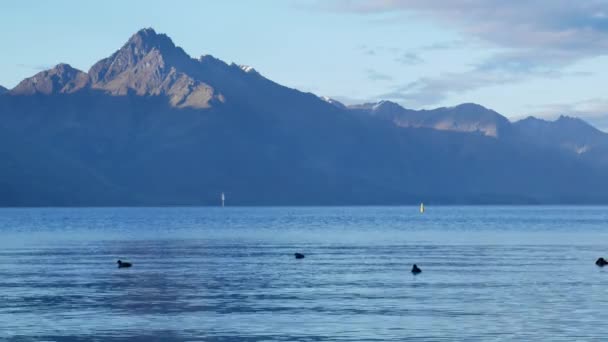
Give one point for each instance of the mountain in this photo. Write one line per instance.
(62, 79)
(3, 90)
(467, 117)
(150, 125)
(150, 64)
(569, 133)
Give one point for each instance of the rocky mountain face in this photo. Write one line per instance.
(150, 125)
(62, 79)
(3, 90)
(149, 64)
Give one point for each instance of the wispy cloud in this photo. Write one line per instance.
(402, 56)
(547, 24)
(366, 50)
(535, 38)
(499, 69)
(409, 58)
(432, 90)
(447, 45)
(34, 67)
(375, 75)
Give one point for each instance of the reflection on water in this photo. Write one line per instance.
(489, 273)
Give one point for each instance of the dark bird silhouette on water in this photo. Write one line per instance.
(299, 255)
(415, 269)
(601, 262)
(123, 264)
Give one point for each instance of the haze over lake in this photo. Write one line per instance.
(489, 273)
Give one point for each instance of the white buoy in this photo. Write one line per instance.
(422, 208)
(223, 199)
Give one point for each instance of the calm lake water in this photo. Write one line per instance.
(212, 274)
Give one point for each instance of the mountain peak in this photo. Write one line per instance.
(562, 120)
(147, 39)
(475, 112)
(149, 64)
(147, 31)
(382, 106)
(466, 117)
(530, 118)
(146, 49)
(576, 125)
(470, 105)
(569, 133)
(471, 117)
(571, 120)
(62, 78)
(473, 108)
(385, 105)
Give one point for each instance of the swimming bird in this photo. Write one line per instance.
(123, 264)
(299, 255)
(601, 262)
(415, 269)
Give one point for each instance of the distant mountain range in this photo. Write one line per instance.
(150, 125)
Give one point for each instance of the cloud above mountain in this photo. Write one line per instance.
(559, 25)
(529, 39)
(432, 90)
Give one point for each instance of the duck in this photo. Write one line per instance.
(601, 262)
(415, 269)
(122, 264)
(299, 255)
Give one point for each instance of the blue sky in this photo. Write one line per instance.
(536, 57)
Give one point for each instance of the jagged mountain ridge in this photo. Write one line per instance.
(149, 64)
(570, 134)
(152, 126)
(466, 117)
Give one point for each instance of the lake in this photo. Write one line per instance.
(514, 273)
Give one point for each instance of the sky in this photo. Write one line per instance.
(521, 57)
